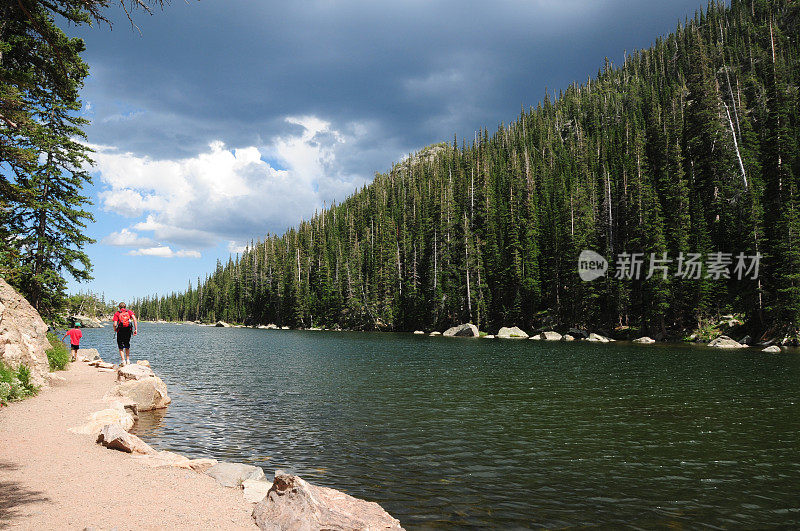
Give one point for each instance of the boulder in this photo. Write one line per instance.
(233, 474)
(772, 349)
(100, 364)
(536, 337)
(578, 333)
(115, 414)
(725, 342)
(54, 378)
(285, 328)
(202, 464)
(644, 340)
(597, 338)
(165, 459)
(86, 321)
(464, 330)
(146, 363)
(255, 489)
(746, 340)
(272, 326)
(23, 335)
(488, 336)
(568, 337)
(134, 372)
(115, 437)
(222, 324)
(293, 503)
(551, 336)
(511, 333)
(88, 354)
(435, 333)
(419, 332)
(148, 393)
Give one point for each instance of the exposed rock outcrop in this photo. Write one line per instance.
(115, 437)
(551, 336)
(464, 330)
(293, 503)
(222, 324)
(234, 474)
(513, 332)
(644, 340)
(134, 372)
(23, 335)
(148, 393)
(725, 342)
(597, 338)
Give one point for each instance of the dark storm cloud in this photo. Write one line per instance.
(417, 72)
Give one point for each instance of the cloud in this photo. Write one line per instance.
(228, 194)
(163, 251)
(126, 238)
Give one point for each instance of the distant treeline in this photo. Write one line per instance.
(690, 146)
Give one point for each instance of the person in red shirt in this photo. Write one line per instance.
(74, 341)
(125, 325)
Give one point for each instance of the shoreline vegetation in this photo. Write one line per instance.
(688, 151)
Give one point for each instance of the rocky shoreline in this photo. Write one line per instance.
(286, 502)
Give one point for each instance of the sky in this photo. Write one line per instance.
(219, 121)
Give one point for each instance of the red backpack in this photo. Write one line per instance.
(124, 318)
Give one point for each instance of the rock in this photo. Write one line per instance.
(644, 340)
(54, 378)
(746, 340)
(134, 372)
(578, 333)
(435, 333)
(103, 365)
(143, 362)
(166, 459)
(568, 337)
(23, 335)
(86, 321)
(293, 503)
(255, 489)
(285, 328)
(115, 437)
(537, 337)
(772, 349)
(464, 330)
(233, 474)
(115, 414)
(222, 324)
(147, 393)
(597, 338)
(551, 336)
(488, 336)
(419, 332)
(202, 464)
(103, 369)
(272, 326)
(88, 354)
(725, 342)
(511, 333)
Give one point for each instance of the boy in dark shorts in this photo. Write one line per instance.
(125, 325)
(74, 341)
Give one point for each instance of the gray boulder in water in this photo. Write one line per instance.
(513, 332)
(725, 342)
(464, 330)
(293, 503)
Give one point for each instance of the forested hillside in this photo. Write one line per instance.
(690, 146)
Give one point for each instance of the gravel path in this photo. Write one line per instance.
(53, 479)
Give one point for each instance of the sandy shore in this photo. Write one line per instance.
(53, 479)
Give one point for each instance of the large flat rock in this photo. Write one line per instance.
(234, 474)
(148, 393)
(294, 504)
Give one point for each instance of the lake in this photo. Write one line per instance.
(456, 432)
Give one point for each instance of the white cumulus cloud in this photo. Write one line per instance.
(225, 194)
(164, 251)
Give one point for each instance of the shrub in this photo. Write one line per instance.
(57, 355)
(15, 384)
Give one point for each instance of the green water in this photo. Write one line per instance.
(451, 432)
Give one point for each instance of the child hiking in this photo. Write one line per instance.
(74, 341)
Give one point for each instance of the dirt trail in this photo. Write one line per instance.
(53, 479)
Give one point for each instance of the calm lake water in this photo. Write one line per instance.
(450, 432)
